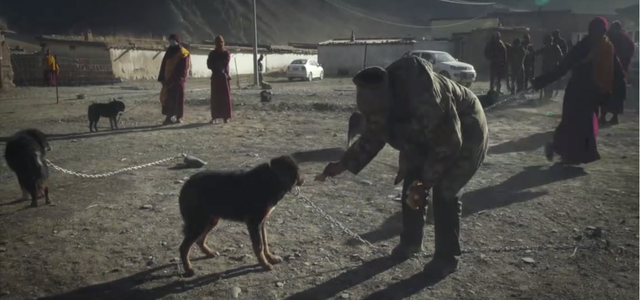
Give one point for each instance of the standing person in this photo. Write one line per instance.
(496, 53)
(218, 63)
(562, 44)
(594, 67)
(551, 56)
(624, 49)
(529, 65)
(173, 75)
(516, 65)
(50, 69)
(441, 131)
(260, 69)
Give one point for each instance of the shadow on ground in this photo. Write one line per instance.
(127, 288)
(530, 143)
(511, 191)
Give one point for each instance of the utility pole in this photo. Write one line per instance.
(255, 44)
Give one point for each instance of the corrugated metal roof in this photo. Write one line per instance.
(369, 41)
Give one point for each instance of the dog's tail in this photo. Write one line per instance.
(356, 126)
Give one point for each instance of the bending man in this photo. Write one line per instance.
(440, 129)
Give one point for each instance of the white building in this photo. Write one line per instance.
(345, 57)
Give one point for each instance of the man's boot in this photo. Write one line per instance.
(447, 229)
(412, 224)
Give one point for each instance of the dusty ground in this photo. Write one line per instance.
(97, 242)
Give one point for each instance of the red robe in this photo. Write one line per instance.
(173, 74)
(218, 63)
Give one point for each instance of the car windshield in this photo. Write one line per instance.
(299, 62)
(443, 57)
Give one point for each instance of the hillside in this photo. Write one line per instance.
(279, 21)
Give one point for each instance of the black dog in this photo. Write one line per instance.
(108, 110)
(356, 126)
(490, 98)
(24, 154)
(265, 96)
(246, 196)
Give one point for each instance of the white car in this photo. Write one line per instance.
(448, 66)
(305, 69)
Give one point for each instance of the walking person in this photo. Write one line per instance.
(218, 63)
(260, 69)
(441, 131)
(551, 56)
(596, 75)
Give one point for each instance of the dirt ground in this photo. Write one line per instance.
(117, 237)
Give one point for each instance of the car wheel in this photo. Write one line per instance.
(445, 74)
(468, 84)
(310, 76)
(290, 78)
(321, 75)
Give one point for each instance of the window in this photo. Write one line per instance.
(427, 56)
(299, 62)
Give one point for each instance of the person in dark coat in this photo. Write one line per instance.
(596, 74)
(625, 49)
(496, 53)
(551, 56)
(516, 65)
(218, 63)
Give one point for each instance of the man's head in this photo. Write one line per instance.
(48, 51)
(616, 27)
(219, 41)
(372, 86)
(598, 28)
(547, 40)
(261, 57)
(496, 36)
(526, 38)
(174, 41)
(516, 42)
(556, 34)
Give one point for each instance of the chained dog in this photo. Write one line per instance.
(109, 110)
(24, 154)
(246, 196)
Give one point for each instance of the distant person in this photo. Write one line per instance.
(260, 69)
(218, 63)
(50, 69)
(562, 44)
(516, 65)
(496, 53)
(529, 65)
(624, 49)
(173, 74)
(551, 56)
(596, 75)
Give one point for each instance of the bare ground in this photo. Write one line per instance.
(97, 243)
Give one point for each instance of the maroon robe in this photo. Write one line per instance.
(624, 49)
(175, 83)
(218, 63)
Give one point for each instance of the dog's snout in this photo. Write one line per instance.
(300, 181)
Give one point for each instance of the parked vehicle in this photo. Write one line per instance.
(305, 69)
(447, 66)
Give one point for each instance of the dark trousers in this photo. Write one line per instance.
(260, 78)
(496, 73)
(529, 73)
(517, 79)
(446, 193)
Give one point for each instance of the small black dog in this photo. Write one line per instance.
(246, 196)
(108, 110)
(24, 154)
(265, 96)
(356, 126)
(490, 98)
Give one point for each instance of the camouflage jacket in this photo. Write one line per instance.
(423, 121)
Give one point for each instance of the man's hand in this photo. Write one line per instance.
(331, 170)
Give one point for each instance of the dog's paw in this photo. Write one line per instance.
(210, 254)
(273, 259)
(188, 273)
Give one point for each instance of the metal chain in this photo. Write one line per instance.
(114, 172)
(499, 249)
